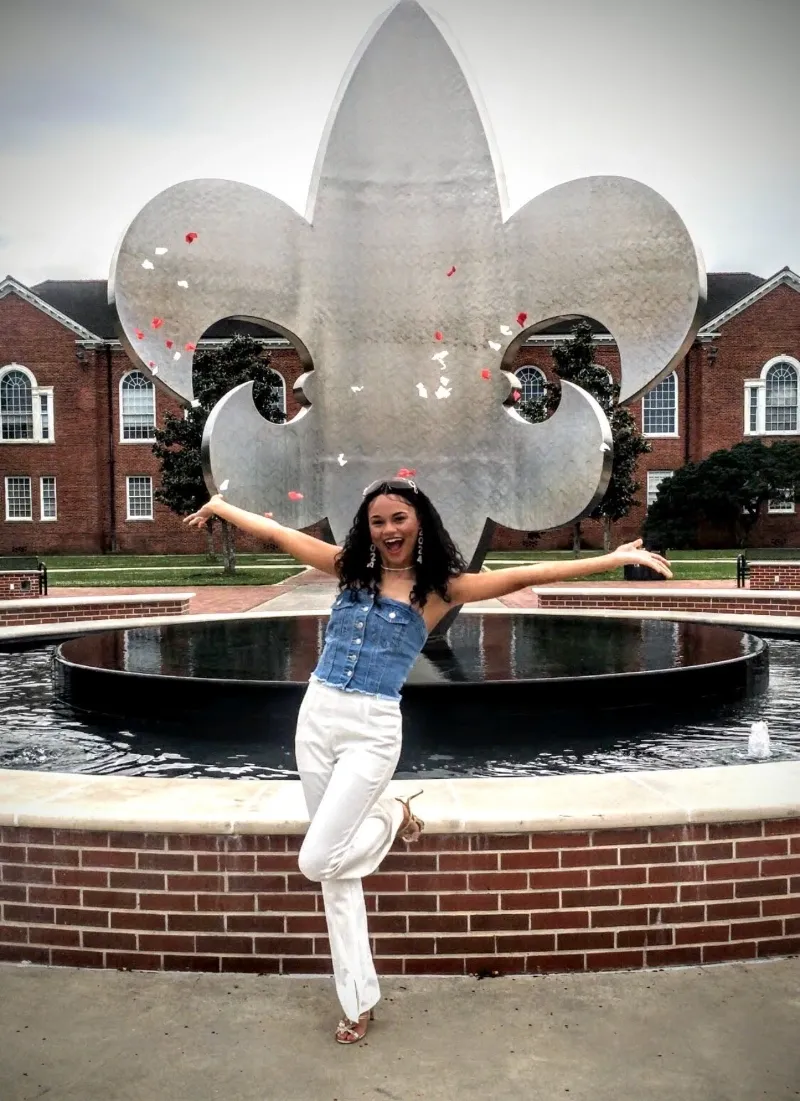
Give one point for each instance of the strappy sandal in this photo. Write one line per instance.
(411, 826)
(350, 1032)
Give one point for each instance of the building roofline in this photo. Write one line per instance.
(10, 285)
(783, 277)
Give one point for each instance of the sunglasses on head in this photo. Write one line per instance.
(387, 485)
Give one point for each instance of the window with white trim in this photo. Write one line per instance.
(772, 401)
(660, 408)
(782, 502)
(26, 409)
(280, 383)
(19, 503)
(137, 408)
(654, 480)
(532, 383)
(140, 497)
(48, 507)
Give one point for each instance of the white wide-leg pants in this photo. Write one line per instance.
(347, 747)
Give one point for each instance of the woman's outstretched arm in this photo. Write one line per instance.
(484, 586)
(305, 548)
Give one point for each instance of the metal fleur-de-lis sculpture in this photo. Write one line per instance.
(408, 293)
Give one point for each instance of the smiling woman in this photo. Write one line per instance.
(399, 574)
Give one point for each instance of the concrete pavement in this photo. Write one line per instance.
(727, 1033)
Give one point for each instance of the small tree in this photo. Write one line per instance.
(574, 362)
(728, 491)
(177, 445)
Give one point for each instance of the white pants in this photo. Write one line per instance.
(347, 747)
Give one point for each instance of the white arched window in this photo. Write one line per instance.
(532, 382)
(660, 408)
(280, 382)
(772, 401)
(137, 404)
(26, 409)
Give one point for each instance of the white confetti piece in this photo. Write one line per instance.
(177, 356)
(195, 403)
(148, 264)
(422, 390)
(356, 389)
(444, 381)
(341, 460)
(154, 370)
(442, 392)
(495, 346)
(440, 357)
(161, 250)
(224, 486)
(183, 283)
(504, 329)
(604, 447)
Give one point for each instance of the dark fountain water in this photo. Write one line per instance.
(519, 695)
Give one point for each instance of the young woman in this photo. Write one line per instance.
(399, 573)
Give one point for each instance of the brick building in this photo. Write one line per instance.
(77, 472)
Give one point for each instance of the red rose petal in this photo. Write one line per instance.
(438, 335)
(151, 363)
(521, 319)
(139, 334)
(192, 236)
(293, 495)
(157, 322)
(190, 347)
(486, 373)
(168, 343)
(517, 395)
(452, 271)
(404, 472)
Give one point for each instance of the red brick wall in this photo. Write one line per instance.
(668, 600)
(455, 904)
(774, 575)
(66, 611)
(710, 387)
(11, 586)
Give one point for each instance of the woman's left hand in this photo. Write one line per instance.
(634, 554)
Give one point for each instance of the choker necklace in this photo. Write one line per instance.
(396, 569)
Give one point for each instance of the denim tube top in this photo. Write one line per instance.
(370, 644)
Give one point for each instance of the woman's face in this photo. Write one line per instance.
(393, 528)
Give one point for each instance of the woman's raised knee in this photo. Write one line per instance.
(313, 864)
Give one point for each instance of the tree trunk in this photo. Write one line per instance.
(607, 525)
(210, 552)
(576, 539)
(228, 548)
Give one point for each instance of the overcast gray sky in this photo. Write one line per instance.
(107, 102)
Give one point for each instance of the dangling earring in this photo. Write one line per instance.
(372, 554)
(419, 546)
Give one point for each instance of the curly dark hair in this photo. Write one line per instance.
(441, 558)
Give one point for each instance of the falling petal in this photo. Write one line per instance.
(440, 357)
(161, 250)
(521, 319)
(139, 334)
(504, 329)
(341, 460)
(148, 265)
(442, 392)
(152, 365)
(516, 395)
(452, 271)
(190, 347)
(224, 486)
(438, 335)
(195, 403)
(356, 389)
(293, 495)
(169, 343)
(191, 236)
(486, 373)
(183, 283)
(495, 346)
(404, 472)
(157, 322)
(444, 381)
(177, 356)
(604, 447)
(423, 393)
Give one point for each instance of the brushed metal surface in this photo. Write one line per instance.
(406, 187)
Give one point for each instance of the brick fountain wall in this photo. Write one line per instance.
(454, 904)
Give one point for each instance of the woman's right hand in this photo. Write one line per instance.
(200, 518)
